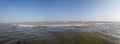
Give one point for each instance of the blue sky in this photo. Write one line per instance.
(59, 10)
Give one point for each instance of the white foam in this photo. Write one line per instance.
(58, 25)
(23, 25)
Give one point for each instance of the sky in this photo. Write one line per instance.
(59, 10)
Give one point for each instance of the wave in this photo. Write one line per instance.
(59, 25)
(60, 34)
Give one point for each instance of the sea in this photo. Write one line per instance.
(95, 33)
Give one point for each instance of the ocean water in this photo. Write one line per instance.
(96, 33)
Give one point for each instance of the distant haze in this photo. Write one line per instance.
(59, 10)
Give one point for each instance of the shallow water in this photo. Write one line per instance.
(102, 33)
